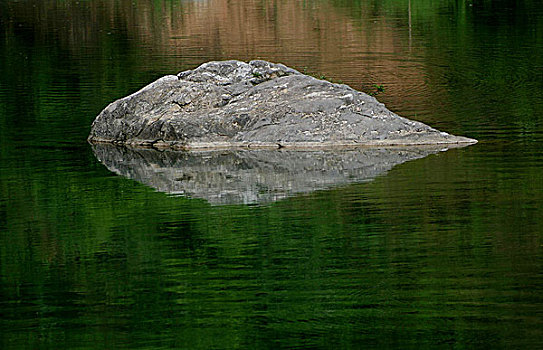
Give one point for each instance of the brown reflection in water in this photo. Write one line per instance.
(359, 49)
(318, 36)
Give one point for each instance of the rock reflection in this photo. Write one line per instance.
(253, 176)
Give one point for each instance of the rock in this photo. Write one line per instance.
(258, 104)
(254, 176)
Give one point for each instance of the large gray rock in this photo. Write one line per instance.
(257, 105)
(254, 176)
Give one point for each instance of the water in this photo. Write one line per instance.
(445, 251)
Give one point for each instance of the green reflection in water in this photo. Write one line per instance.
(444, 251)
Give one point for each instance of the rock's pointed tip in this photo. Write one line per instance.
(466, 140)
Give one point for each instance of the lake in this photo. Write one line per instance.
(437, 250)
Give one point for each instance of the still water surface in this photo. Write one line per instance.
(444, 251)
